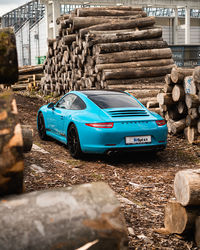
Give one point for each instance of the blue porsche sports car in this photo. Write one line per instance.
(102, 121)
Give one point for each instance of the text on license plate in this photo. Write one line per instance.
(138, 139)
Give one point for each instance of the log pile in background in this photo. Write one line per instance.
(182, 215)
(29, 78)
(107, 47)
(180, 102)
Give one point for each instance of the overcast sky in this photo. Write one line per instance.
(8, 5)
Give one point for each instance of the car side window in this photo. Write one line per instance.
(78, 104)
(66, 101)
(72, 102)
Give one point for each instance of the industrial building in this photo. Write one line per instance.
(35, 21)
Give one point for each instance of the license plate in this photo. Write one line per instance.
(138, 139)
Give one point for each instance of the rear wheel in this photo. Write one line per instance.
(41, 127)
(73, 142)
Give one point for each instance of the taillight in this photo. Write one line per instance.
(100, 125)
(161, 122)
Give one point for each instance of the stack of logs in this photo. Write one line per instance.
(29, 78)
(182, 215)
(107, 47)
(180, 102)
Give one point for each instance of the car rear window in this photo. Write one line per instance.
(114, 101)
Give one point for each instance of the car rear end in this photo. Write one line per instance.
(125, 129)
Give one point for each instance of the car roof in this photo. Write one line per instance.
(89, 93)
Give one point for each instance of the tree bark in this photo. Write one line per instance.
(138, 64)
(123, 37)
(178, 74)
(187, 187)
(179, 219)
(119, 25)
(8, 57)
(66, 218)
(11, 145)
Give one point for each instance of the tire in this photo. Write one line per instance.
(41, 127)
(73, 142)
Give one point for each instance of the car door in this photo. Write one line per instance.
(61, 114)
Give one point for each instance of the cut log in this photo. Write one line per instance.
(173, 114)
(192, 135)
(190, 121)
(119, 25)
(19, 87)
(84, 12)
(158, 81)
(197, 231)
(68, 39)
(138, 55)
(187, 187)
(27, 135)
(132, 45)
(179, 219)
(189, 85)
(196, 74)
(95, 9)
(152, 105)
(11, 145)
(178, 93)
(67, 218)
(131, 73)
(178, 126)
(31, 70)
(8, 57)
(178, 74)
(182, 108)
(193, 113)
(138, 64)
(124, 37)
(192, 101)
(168, 80)
(198, 126)
(165, 99)
(84, 22)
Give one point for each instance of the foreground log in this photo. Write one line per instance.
(179, 219)
(189, 85)
(27, 135)
(178, 93)
(8, 57)
(192, 134)
(11, 146)
(187, 187)
(84, 12)
(192, 101)
(197, 231)
(63, 219)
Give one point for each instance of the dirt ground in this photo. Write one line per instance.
(142, 182)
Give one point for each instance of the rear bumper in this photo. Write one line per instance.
(138, 149)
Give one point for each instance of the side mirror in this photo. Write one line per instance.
(50, 105)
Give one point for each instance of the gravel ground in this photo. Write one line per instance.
(143, 182)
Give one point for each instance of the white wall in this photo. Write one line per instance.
(22, 41)
(194, 34)
(38, 37)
